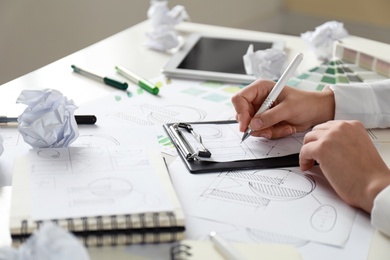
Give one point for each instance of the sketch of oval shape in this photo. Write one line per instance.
(90, 152)
(281, 184)
(186, 114)
(208, 132)
(110, 187)
(324, 218)
(48, 153)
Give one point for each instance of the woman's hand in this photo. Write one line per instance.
(293, 111)
(348, 159)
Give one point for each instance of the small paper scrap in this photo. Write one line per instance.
(322, 39)
(164, 37)
(265, 64)
(48, 121)
(50, 242)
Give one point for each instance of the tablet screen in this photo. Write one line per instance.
(220, 55)
(215, 58)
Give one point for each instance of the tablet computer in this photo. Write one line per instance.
(215, 58)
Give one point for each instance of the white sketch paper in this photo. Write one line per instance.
(103, 175)
(283, 201)
(224, 143)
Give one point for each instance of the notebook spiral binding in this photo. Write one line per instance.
(180, 251)
(114, 230)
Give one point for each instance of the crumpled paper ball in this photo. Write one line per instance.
(164, 37)
(322, 39)
(265, 64)
(50, 242)
(48, 121)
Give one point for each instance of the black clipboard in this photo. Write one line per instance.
(189, 156)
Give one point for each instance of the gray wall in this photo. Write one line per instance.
(35, 33)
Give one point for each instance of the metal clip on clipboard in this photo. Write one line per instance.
(182, 143)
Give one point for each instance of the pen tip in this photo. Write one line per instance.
(244, 137)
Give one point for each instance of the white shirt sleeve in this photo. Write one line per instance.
(370, 104)
(380, 214)
(367, 102)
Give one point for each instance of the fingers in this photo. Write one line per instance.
(249, 99)
(306, 156)
(270, 117)
(276, 131)
(312, 147)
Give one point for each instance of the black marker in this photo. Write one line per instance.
(80, 119)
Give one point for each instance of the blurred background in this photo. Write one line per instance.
(36, 33)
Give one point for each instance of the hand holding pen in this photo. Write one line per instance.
(277, 89)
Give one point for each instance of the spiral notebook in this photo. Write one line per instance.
(204, 249)
(105, 217)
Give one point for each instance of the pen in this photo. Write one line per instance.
(143, 83)
(224, 248)
(80, 119)
(108, 81)
(273, 95)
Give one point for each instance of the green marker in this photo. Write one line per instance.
(143, 83)
(105, 80)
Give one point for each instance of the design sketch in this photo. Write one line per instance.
(109, 190)
(209, 132)
(107, 187)
(269, 202)
(131, 119)
(264, 186)
(147, 114)
(94, 140)
(94, 180)
(100, 191)
(261, 236)
(45, 153)
(224, 143)
(324, 218)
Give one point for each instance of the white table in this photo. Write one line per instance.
(127, 48)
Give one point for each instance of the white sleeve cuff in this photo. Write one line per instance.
(358, 104)
(380, 214)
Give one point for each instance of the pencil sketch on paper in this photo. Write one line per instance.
(261, 189)
(100, 191)
(257, 235)
(224, 142)
(92, 140)
(94, 180)
(258, 188)
(147, 114)
(324, 218)
(10, 136)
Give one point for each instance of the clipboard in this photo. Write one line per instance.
(192, 157)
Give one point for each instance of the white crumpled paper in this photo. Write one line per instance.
(50, 242)
(322, 39)
(49, 120)
(265, 64)
(1, 145)
(163, 36)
